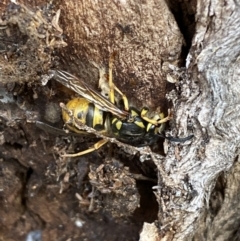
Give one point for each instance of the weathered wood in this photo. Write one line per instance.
(206, 101)
(210, 97)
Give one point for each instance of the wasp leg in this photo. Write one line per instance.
(156, 121)
(91, 149)
(113, 87)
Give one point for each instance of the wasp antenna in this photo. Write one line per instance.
(176, 139)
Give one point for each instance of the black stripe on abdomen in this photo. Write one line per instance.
(89, 116)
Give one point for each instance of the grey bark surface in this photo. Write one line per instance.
(212, 103)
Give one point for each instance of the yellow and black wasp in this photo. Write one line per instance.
(127, 125)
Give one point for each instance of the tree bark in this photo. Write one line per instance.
(149, 42)
(212, 101)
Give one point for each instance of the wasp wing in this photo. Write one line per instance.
(59, 132)
(81, 88)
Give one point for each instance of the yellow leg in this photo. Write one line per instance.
(112, 86)
(154, 120)
(124, 98)
(110, 76)
(91, 149)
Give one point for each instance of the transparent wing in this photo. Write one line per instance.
(81, 88)
(58, 132)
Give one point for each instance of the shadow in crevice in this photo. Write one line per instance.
(184, 13)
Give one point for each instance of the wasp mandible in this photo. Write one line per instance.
(128, 125)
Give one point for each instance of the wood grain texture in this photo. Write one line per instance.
(144, 35)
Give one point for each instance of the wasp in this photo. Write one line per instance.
(128, 124)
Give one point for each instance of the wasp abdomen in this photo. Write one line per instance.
(86, 112)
